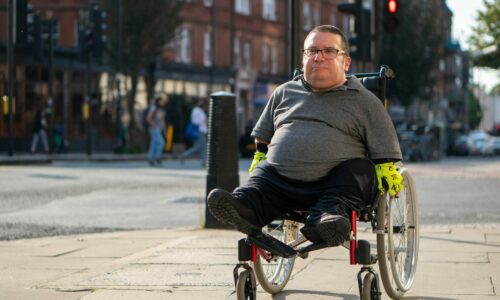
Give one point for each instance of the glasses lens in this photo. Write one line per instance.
(330, 53)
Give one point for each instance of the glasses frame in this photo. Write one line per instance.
(338, 52)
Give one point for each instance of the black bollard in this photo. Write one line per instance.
(222, 149)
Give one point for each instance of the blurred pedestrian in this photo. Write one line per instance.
(40, 132)
(199, 119)
(156, 121)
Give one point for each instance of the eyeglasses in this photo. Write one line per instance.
(328, 53)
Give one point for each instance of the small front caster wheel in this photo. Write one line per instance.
(370, 290)
(246, 287)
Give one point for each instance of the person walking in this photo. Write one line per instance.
(40, 132)
(199, 119)
(156, 121)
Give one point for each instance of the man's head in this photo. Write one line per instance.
(325, 68)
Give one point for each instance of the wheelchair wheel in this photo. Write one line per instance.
(274, 273)
(398, 238)
(370, 289)
(246, 288)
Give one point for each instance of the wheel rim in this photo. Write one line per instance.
(273, 274)
(403, 236)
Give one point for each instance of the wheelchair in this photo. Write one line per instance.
(268, 257)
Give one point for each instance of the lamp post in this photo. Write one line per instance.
(10, 60)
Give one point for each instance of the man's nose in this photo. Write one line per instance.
(319, 56)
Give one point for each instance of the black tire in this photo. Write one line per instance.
(398, 238)
(369, 290)
(273, 275)
(246, 287)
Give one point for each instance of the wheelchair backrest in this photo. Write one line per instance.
(376, 82)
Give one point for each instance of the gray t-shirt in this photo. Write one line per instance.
(312, 132)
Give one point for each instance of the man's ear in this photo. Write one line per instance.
(347, 63)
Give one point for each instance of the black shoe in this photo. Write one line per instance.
(334, 229)
(151, 163)
(225, 209)
(311, 233)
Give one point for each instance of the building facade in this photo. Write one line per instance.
(240, 46)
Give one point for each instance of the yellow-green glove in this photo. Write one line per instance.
(387, 172)
(257, 158)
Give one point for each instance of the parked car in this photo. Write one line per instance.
(494, 144)
(460, 146)
(479, 143)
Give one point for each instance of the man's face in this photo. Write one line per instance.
(320, 72)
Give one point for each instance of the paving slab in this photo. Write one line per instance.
(456, 262)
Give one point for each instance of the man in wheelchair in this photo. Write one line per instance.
(325, 144)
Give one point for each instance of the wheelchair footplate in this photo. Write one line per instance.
(271, 244)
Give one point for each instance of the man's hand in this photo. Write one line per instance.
(388, 173)
(257, 158)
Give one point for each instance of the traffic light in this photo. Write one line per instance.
(34, 33)
(91, 31)
(391, 15)
(21, 22)
(360, 39)
(97, 20)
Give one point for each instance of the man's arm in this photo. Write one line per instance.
(149, 118)
(260, 154)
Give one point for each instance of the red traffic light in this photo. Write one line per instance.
(392, 6)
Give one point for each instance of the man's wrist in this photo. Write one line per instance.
(261, 147)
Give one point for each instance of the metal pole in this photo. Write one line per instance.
(212, 46)
(50, 102)
(293, 34)
(10, 60)
(118, 83)
(88, 102)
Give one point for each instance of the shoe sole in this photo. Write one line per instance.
(219, 204)
(312, 234)
(334, 232)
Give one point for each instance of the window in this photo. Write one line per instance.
(55, 31)
(274, 60)
(307, 16)
(317, 16)
(242, 7)
(184, 46)
(269, 10)
(237, 53)
(247, 54)
(333, 19)
(265, 58)
(207, 49)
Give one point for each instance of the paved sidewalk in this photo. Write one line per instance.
(456, 262)
(27, 158)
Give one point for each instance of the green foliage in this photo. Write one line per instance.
(412, 51)
(147, 27)
(485, 38)
(475, 111)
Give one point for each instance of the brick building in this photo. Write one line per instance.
(239, 45)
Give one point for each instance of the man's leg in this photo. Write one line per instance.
(350, 186)
(265, 197)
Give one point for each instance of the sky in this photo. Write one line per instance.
(464, 17)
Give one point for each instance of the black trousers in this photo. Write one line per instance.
(349, 186)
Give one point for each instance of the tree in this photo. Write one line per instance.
(485, 38)
(475, 111)
(413, 52)
(148, 26)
